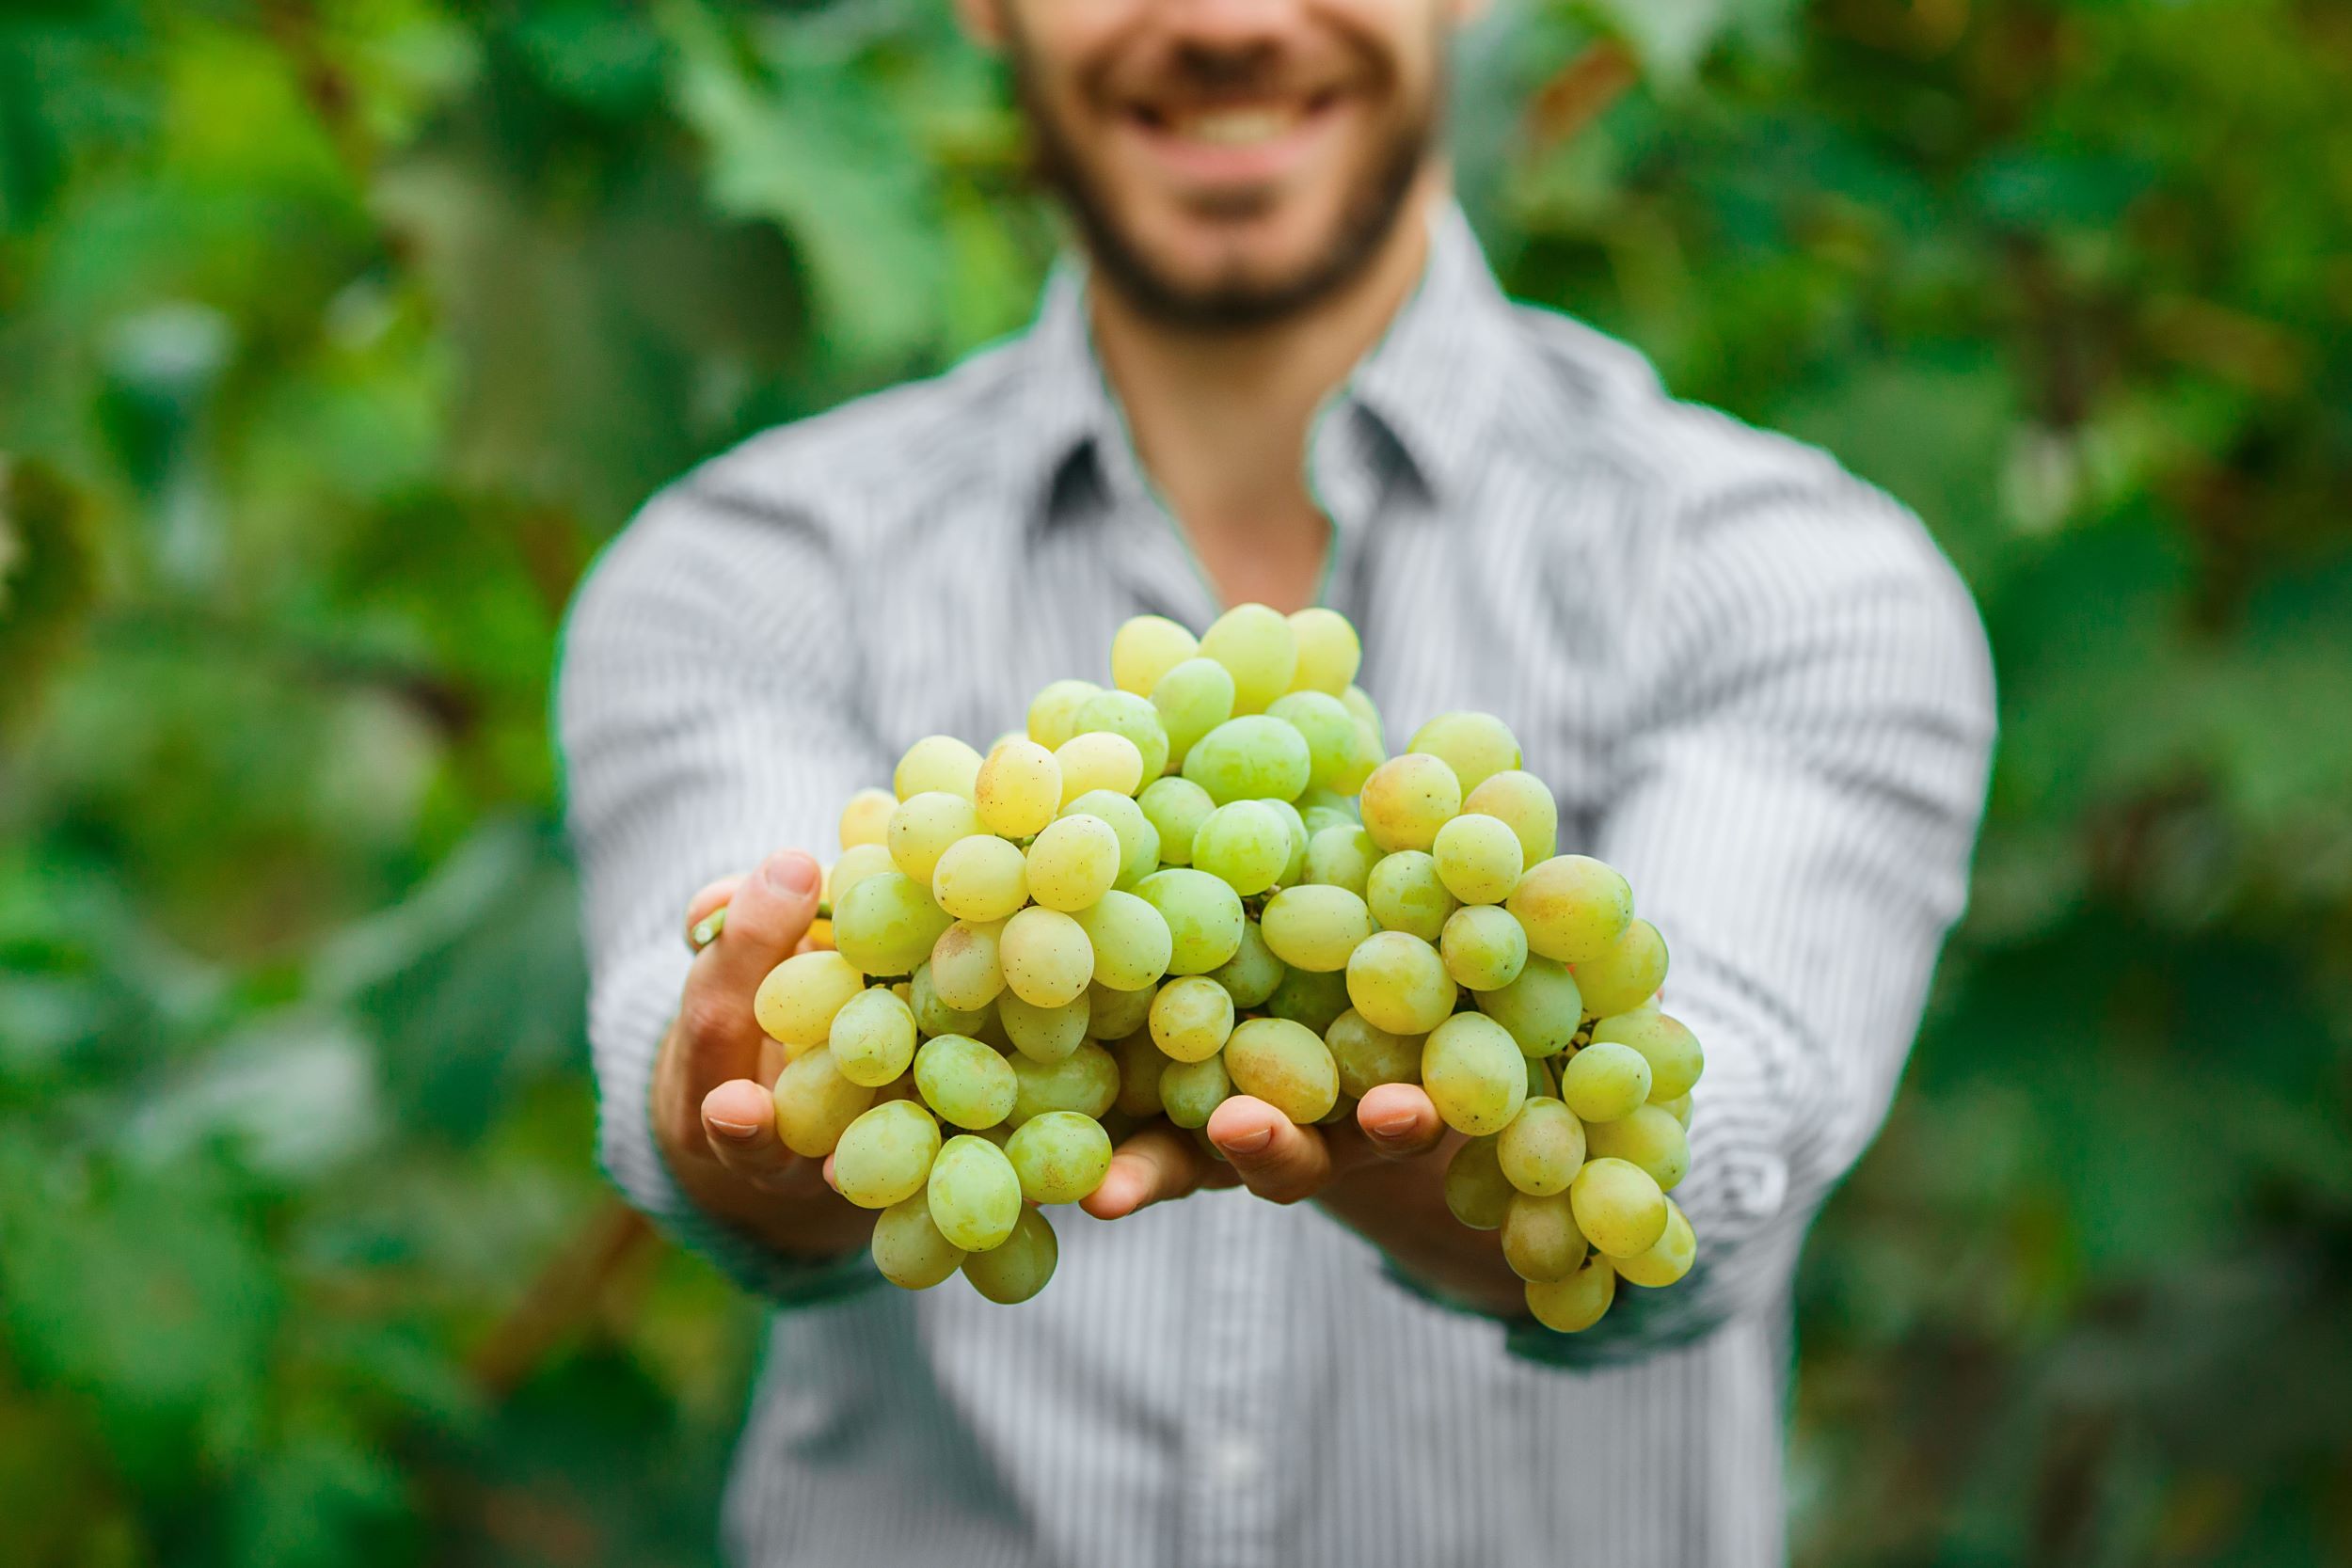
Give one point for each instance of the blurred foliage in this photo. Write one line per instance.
(335, 334)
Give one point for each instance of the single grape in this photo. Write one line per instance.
(888, 924)
(1018, 1268)
(933, 1014)
(1191, 700)
(1568, 1305)
(1542, 1009)
(1649, 1137)
(1191, 1018)
(1484, 947)
(1406, 893)
(1476, 746)
(1251, 973)
(1139, 1062)
(924, 826)
(1138, 840)
(1053, 716)
(1328, 651)
(1605, 1082)
(1357, 701)
(1679, 1107)
(1097, 759)
(1574, 907)
(1190, 1092)
(1474, 1073)
(1406, 799)
(1476, 1191)
(1257, 645)
(937, 764)
(1316, 927)
(1175, 808)
(1618, 1207)
(1308, 998)
(1059, 1155)
(1632, 970)
(1399, 983)
(1072, 863)
(1146, 648)
(1044, 1034)
(1086, 1081)
(1243, 844)
(1124, 713)
(964, 1081)
(1132, 943)
(1326, 808)
(1664, 1042)
(1540, 1239)
(1337, 757)
(866, 818)
(965, 968)
(1285, 1064)
(1524, 801)
(885, 1154)
(1294, 863)
(797, 1001)
(1340, 854)
(1478, 859)
(1368, 1057)
(1668, 1258)
(975, 1195)
(982, 877)
(1543, 1148)
(1047, 956)
(873, 1039)
(814, 1103)
(1116, 1013)
(1203, 914)
(857, 862)
(1018, 787)
(1254, 757)
(909, 1251)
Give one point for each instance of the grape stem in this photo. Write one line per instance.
(706, 930)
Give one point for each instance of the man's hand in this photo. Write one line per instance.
(712, 1113)
(1383, 1177)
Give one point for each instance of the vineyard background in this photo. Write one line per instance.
(337, 335)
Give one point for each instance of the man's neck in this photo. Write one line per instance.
(1220, 421)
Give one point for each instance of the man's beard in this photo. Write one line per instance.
(1375, 203)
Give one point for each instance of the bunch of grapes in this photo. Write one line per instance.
(1206, 880)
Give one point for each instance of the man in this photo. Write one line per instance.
(1284, 374)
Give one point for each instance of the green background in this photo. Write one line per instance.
(336, 337)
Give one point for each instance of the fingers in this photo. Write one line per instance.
(1276, 1160)
(1154, 1165)
(1399, 1122)
(768, 913)
(738, 1119)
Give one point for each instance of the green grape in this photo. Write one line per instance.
(1543, 1148)
(1474, 1073)
(1482, 947)
(814, 1103)
(1679, 1107)
(1668, 1258)
(1308, 998)
(1632, 970)
(1019, 1268)
(1060, 1156)
(1476, 1191)
(1337, 757)
(1047, 956)
(1524, 802)
(1073, 863)
(1132, 943)
(1542, 1082)
(872, 1038)
(909, 1251)
(1139, 1062)
(1044, 1034)
(1250, 758)
(1175, 808)
(1097, 759)
(1138, 840)
(888, 924)
(1190, 1092)
(933, 1015)
(1368, 1057)
(1568, 1306)
(1649, 1137)
(1257, 645)
(867, 817)
(1294, 863)
(1328, 651)
(797, 1001)
(1406, 893)
(1116, 1013)
(1478, 859)
(1340, 855)
(1244, 844)
(965, 968)
(885, 1154)
(937, 764)
(975, 1195)
(1326, 808)
(1540, 1239)
(1476, 746)
(1191, 700)
(1251, 973)
(981, 878)
(1191, 1018)
(1203, 914)
(1574, 907)
(1147, 647)
(1605, 1082)
(1618, 1207)
(1285, 1064)
(1316, 927)
(1663, 1040)
(964, 1081)
(1360, 703)
(1542, 1009)
(1086, 1081)
(1018, 789)
(1406, 799)
(1399, 983)
(857, 862)
(1126, 714)
(1053, 716)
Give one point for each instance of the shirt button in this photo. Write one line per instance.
(1234, 1459)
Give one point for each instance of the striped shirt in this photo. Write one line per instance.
(1756, 686)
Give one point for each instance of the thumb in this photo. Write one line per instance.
(768, 914)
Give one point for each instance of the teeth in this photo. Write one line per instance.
(1238, 127)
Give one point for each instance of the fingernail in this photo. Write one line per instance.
(1395, 1125)
(732, 1129)
(790, 873)
(1248, 1143)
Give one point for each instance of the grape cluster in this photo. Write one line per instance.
(1207, 879)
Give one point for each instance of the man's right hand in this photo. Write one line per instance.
(712, 1111)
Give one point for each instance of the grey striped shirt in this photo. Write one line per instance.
(1752, 681)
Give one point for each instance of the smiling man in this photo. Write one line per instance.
(1279, 369)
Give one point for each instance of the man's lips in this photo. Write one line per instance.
(1231, 142)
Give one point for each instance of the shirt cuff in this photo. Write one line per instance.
(1640, 1324)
